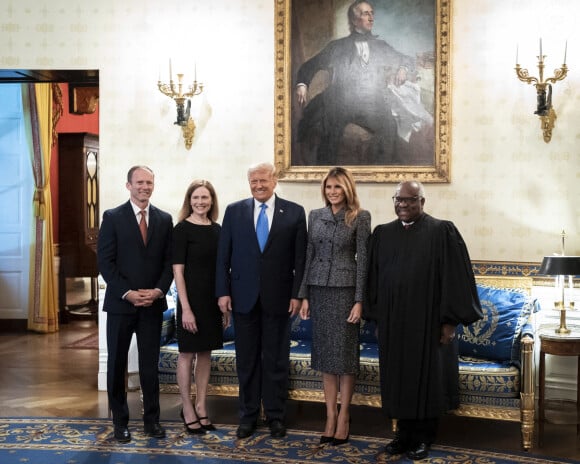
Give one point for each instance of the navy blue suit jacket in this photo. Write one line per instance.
(245, 273)
(126, 263)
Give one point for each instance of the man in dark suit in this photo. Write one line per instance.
(258, 279)
(134, 258)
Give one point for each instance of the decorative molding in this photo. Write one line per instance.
(515, 269)
(505, 268)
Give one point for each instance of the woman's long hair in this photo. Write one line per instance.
(186, 209)
(346, 181)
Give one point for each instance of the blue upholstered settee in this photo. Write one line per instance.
(495, 366)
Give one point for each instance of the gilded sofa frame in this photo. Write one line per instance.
(524, 414)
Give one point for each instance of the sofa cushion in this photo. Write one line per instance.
(229, 332)
(497, 335)
(168, 326)
(367, 332)
(223, 364)
(485, 378)
(301, 329)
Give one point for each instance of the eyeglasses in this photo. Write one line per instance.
(408, 200)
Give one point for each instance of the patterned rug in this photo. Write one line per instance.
(90, 441)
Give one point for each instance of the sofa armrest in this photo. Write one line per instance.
(527, 393)
(527, 361)
(528, 330)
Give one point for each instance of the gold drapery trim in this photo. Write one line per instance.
(39, 203)
(43, 293)
(57, 110)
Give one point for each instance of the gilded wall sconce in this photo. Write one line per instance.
(544, 110)
(182, 98)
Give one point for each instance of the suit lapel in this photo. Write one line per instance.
(153, 222)
(326, 215)
(247, 218)
(277, 220)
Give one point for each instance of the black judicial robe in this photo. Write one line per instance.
(418, 279)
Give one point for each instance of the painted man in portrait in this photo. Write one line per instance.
(370, 111)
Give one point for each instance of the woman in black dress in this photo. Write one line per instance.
(199, 319)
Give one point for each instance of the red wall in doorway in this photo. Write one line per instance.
(68, 122)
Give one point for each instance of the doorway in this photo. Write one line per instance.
(15, 172)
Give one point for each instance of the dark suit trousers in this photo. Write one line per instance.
(262, 358)
(146, 324)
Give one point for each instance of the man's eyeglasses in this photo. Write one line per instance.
(407, 200)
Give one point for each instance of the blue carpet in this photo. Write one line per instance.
(90, 441)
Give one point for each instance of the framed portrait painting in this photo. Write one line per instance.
(363, 85)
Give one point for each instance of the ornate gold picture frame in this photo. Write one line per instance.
(302, 29)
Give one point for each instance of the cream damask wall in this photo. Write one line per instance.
(511, 194)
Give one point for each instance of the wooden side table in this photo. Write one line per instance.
(559, 345)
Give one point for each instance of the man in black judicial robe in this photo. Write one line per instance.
(420, 287)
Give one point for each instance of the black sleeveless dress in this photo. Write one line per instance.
(195, 246)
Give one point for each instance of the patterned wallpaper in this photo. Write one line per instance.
(511, 194)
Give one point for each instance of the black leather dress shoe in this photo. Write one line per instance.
(340, 441)
(122, 434)
(419, 452)
(325, 439)
(155, 431)
(396, 447)
(277, 429)
(246, 430)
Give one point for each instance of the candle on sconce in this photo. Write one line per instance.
(565, 51)
(170, 73)
(541, 49)
(517, 50)
(571, 292)
(195, 72)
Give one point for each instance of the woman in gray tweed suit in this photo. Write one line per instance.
(332, 290)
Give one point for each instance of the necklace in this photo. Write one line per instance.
(196, 220)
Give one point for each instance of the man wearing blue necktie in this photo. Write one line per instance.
(260, 262)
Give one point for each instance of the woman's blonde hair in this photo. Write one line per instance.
(186, 209)
(346, 181)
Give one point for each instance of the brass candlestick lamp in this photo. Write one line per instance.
(181, 98)
(544, 110)
(562, 266)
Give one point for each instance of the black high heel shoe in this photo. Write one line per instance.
(324, 439)
(342, 441)
(192, 431)
(208, 427)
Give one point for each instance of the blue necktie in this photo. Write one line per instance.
(262, 227)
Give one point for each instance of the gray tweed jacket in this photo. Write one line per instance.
(336, 255)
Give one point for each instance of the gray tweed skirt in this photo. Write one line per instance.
(335, 344)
